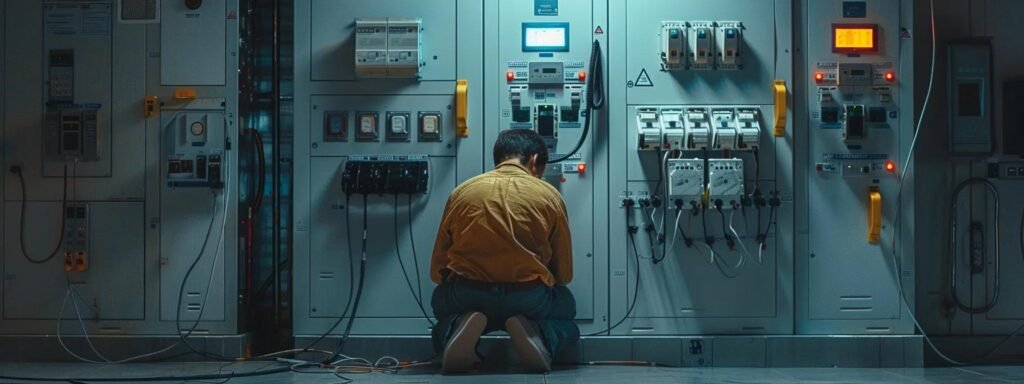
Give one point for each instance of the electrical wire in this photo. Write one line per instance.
(595, 98)
(412, 242)
(215, 376)
(636, 288)
(405, 274)
(740, 240)
(24, 200)
(359, 289)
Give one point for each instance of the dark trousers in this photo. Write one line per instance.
(552, 308)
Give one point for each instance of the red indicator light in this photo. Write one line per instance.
(819, 77)
(581, 168)
(582, 75)
(890, 166)
(510, 75)
(890, 76)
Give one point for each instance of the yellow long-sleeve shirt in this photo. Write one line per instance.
(504, 226)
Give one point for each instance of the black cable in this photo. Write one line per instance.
(359, 290)
(725, 231)
(630, 231)
(351, 275)
(405, 274)
(415, 257)
(63, 215)
(257, 142)
(212, 376)
(183, 337)
(595, 98)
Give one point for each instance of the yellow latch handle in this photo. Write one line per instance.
(184, 93)
(874, 215)
(780, 108)
(149, 106)
(461, 108)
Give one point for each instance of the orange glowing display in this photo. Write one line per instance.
(854, 38)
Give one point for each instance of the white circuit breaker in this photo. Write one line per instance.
(725, 182)
(673, 128)
(388, 47)
(698, 129)
(728, 40)
(748, 122)
(648, 125)
(685, 180)
(702, 43)
(673, 45)
(723, 128)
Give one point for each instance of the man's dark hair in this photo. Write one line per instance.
(522, 144)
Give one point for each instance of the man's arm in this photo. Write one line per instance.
(439, 259)
(561, 246)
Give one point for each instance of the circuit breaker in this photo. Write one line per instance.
(673, 128)
(724, 128)
(385, 175)
(673, 45)
(698, 128)
(702, 45)
(725, 182)
(686, 181)
(388, 47)
(728, 44)
(648, 129)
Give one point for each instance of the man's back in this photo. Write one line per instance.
(504, 226)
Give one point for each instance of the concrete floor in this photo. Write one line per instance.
(589, 374)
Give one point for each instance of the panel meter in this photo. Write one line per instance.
(854, 74)
(552, 72)
(725, 182)
(701, 36)
(673, 128)
(723, 128)
(673, 45)
(648, 127)
(698, 129)
(728, 40)
(686, 180)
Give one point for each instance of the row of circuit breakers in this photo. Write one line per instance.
(388, 47)
(698, 128)
(701, 45)
(366, 175)
(399, 126)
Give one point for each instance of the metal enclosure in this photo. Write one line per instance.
(859, 125)
(139, 226)
(662, 109)
(338, 115)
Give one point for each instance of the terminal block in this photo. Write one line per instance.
(673, 128)
(725, 182)
(648, 125)
(686, 181)
(698, 129)
(723, 129)
(385, 175)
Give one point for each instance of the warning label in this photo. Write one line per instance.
(643, 80)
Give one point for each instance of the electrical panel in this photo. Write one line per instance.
(686, 181)
(970, 98)
(697, 128)
(1013, 117)
(649, 130)
(194, 144)
(62, 76)
(725, 183)
(859, 129)
(388, 47)
(385, 175)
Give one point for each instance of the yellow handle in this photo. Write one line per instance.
(780, 108)
(149, 106)
(461, 108)
(874, 215)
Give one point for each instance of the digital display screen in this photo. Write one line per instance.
(547, 37)
(854, 38)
